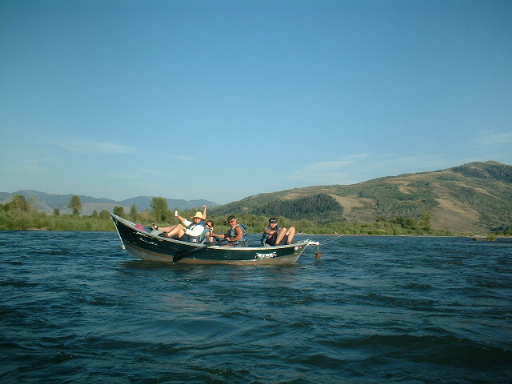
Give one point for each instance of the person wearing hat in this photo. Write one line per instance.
(186, 230)
(235, 236)
(275, 234)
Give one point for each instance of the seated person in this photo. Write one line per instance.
(236, 234)
(170, 228)
(210, 238)
(186, 230)
(276, 235)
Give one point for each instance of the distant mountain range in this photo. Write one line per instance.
(47, 202)
(473, 197)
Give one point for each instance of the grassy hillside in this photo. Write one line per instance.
(474, 197)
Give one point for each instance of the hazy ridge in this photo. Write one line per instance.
(46, 202)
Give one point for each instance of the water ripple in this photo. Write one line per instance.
(76, 308)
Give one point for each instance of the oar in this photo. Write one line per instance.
(186, 253)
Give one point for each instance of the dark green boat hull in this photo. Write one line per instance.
(144, 245)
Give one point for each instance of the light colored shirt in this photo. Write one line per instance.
(195, 231)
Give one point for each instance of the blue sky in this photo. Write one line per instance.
(225, 99)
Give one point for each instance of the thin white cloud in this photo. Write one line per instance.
(333, 171)
(183, 157)
(357, 168)
(33, 165)
(357, 156)
(327, 166)
(137, 174)
(114, 148)
(84, 146)
(495, 138)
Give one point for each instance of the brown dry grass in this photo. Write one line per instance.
(294, 195)
(477, 189)
(455, 216)
(406, 189)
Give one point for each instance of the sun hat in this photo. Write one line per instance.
(198, 214)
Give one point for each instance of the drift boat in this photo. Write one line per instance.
(140, 243)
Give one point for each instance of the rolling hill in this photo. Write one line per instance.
(473, 197)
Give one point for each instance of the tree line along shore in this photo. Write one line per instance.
(20, 214)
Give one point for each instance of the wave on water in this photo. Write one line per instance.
(75, 308)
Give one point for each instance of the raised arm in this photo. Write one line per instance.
(182, 220)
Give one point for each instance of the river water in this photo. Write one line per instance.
(75, 308)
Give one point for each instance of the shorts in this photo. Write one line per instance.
(272, 240)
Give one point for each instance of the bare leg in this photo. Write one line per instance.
(280, 235)
(291, 234)
(167, 229)
(177, 231)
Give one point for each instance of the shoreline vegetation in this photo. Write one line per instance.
(19, 214)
